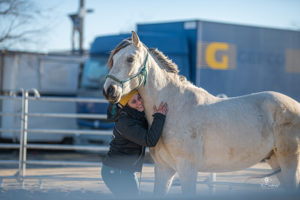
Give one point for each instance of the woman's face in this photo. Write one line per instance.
(136, 102)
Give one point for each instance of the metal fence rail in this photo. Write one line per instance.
(24, 130)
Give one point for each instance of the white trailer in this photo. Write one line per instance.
(52, 75)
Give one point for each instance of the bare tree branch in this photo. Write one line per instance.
(17, 22)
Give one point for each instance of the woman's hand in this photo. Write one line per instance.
(163, 108)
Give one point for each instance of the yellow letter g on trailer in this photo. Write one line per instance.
(216, 55)
(211, 52)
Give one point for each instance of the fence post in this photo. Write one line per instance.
(211, 184)
(23, 134)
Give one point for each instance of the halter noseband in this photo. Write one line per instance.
(142, 73)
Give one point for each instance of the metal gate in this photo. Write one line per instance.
(23, 145)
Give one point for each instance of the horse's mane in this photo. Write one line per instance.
(164, 61)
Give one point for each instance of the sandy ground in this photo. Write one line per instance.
(58, 182)
(86, 183)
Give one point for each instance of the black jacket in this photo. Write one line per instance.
(130, 137)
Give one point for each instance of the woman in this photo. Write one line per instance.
(130, 137)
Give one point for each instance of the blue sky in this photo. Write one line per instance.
(119, 16)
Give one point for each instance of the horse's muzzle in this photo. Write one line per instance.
(111, 94)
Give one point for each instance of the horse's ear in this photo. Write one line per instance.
(135, 39)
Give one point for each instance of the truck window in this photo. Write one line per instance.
(94, 73)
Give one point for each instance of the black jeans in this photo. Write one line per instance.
(121, 183)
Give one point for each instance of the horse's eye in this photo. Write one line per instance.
(130, 59)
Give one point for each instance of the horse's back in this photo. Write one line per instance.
(268, 101)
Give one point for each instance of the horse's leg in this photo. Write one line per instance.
(163, 179)
(290, 171)
(287, 153)
(188, 177)
(273, 162)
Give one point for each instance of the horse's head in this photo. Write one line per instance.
(128, 71)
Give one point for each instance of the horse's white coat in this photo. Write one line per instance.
(210, 134)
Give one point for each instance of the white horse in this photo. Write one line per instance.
(203, 132)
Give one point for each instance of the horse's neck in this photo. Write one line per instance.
(160, 86)
(150, 93)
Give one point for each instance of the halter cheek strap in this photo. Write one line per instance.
(142, 73)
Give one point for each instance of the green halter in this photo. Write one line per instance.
(142, 73)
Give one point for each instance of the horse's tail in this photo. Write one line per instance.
(266, 175)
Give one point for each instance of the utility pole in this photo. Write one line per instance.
(78, 27)
(81, 22)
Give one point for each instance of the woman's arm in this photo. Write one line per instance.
(136, 133)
